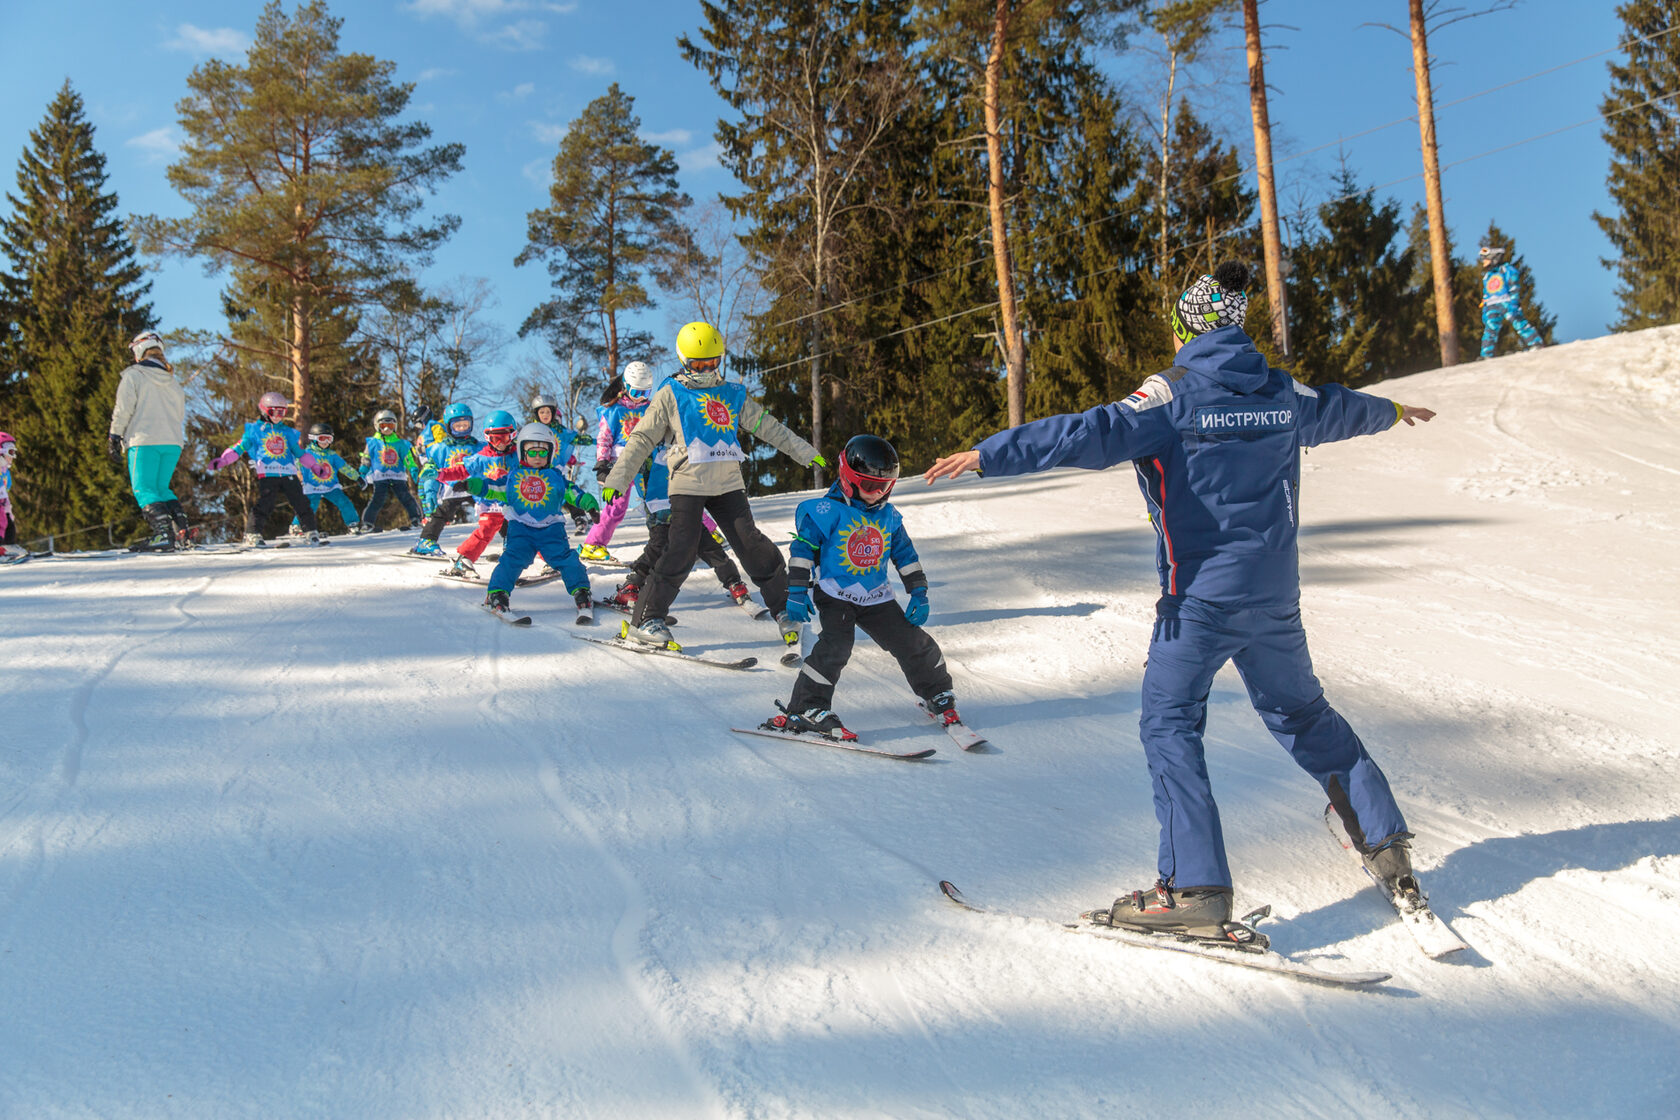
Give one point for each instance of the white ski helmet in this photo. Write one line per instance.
(144, 343)
(534, 433)
(638, 378)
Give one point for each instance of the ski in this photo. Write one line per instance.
(660, 651)
(504, 616)
(754, 610)
(585, 616)
(15, 557)
(1261, 960)
(825, 741)
(1433, 936)
(670, 619)
(961, 734)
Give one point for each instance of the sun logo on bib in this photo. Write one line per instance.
(388, 456)
(274, 446)
(717, 414)
(629, 423)
(533, 489)
(862, 547)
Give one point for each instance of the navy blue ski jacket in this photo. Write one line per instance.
(1216, 442)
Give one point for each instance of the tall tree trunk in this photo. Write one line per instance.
(816, 380)
(302, 399)
(1162, 253)
(1441, 263)
(1277, 296)
(1014, 347)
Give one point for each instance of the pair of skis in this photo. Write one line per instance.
(585, 617)
(961, 734)
(1433, 936)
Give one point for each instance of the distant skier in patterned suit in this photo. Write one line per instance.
(1501, 300)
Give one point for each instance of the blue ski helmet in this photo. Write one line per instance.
(458, 420)
(498, 429)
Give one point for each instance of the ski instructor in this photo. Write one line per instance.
(1216, 442)
(148, 429)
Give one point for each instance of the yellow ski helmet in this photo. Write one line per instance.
(700, 350)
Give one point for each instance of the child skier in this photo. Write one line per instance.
(491, 463)
(1501, 296)
(535, 495)
(321, 480)
(700, 418)
(8, 520)
(451, 449)
(276, 455)
(388, 462)
(545, 410)
(620, 412)
(842, 543)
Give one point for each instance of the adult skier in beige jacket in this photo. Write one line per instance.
(699, 417)
(149, 421)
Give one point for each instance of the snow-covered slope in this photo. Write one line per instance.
(303, 833)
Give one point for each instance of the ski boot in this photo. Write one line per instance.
(812, 721)
(294, 530)
(184, 536)
(425, 547)
(1391, 866)
(313, 538)
(625, 596)
(585, 606)
(163, 530)
(1198, 914)
(497, 601)
(255, 540)
(943, 707)
(738, 592)
(461, 566)
(789, 629)
(594, 552)
(653, 632)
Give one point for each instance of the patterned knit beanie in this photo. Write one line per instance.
(1211, 302)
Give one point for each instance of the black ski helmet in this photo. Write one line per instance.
(868, 458)
(320, 428)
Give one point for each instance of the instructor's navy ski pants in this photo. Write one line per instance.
(1191, 641)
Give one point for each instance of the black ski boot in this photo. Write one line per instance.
(163, 530)
(812, 721)
(1201, 913)
(1391, 866)
(497, 601)
(178, 522)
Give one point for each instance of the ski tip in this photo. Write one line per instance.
(950, 891)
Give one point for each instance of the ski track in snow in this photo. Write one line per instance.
(303, 833)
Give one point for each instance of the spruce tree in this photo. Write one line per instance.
(613, 223)
(75, 297)
(1642, 126)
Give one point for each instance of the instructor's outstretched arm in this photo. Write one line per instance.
(952, 465)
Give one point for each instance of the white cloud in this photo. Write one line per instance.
(584, 64)
(158, 145)
(436, 72)
(706, 158)
(539, 171)
(549, 133)
(483, 19)
(518, 93)
(675, 138)
(209, 41)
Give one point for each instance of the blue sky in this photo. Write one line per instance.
(505, 77)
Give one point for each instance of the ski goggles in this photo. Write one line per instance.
(703, 365)
(320, 441)
(461, 426)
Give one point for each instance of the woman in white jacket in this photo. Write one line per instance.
(150, 420)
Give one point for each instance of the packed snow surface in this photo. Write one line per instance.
(304, 833)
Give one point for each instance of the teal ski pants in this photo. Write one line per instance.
(150, 468)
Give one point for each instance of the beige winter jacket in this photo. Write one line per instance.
(662, 425)
(151, 406)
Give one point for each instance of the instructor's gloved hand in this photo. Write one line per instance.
(607, 495)
(799, 604)
(819, 461)
(917, 612)
(114, 448)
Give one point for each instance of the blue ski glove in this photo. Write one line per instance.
(917, 612)
(799, 604)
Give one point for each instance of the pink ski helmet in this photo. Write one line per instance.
(8, 445)
(272, 402)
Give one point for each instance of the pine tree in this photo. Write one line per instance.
(1642, 126)
(75, 297)
(613, 222)
(304, 182)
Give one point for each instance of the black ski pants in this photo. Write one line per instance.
(443, 514)
(659, 538)
(757, 552)
(912, 647)
(269, 491)
(383, 490)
